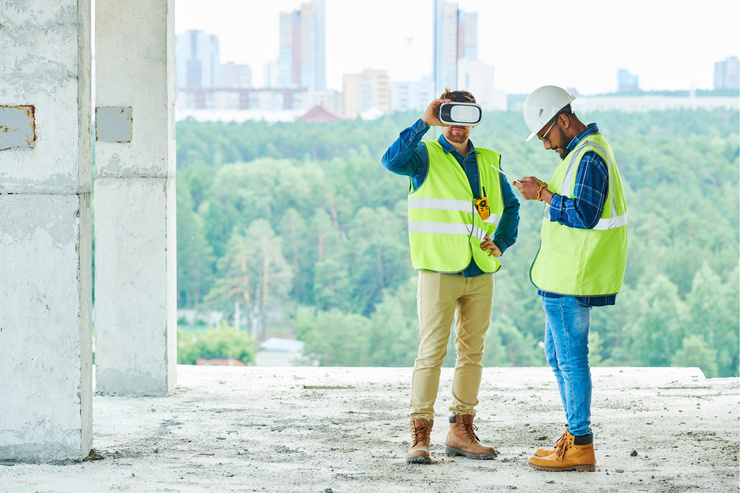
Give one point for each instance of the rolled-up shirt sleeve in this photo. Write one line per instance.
(583, 211)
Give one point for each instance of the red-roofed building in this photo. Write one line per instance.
(319, 113)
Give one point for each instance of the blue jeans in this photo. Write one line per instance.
(567, 322)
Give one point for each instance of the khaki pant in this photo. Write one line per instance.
(440, 297)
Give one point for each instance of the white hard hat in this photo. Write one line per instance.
(544, 103)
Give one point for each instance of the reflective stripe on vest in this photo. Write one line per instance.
(445, 228)
(449, 205)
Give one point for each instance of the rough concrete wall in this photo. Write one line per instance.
(131, 286)
(135, 282)
(45, 234)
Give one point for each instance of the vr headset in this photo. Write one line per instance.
(459, 112)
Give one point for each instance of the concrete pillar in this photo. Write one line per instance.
(45, 231)
(135, 247)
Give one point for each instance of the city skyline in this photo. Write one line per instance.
(666, 47)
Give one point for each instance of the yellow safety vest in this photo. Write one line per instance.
(445, 228)
(584, 262)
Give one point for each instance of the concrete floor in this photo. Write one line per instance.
(344, 430)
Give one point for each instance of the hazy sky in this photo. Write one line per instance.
(667, 44)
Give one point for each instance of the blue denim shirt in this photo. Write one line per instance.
(408, 156)
(584, 209)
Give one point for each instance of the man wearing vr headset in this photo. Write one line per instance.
(463, 216)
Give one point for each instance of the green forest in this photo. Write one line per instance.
(301, 224)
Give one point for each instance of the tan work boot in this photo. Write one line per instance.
(571, 454)
(544, 452)
(462, 440)
(420, 440)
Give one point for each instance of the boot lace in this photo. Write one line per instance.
(420, 434)
(470, 430)
(562, 445)
(562, 438)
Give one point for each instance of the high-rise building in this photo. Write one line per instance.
(370, 90)
(727, 74)
(197, 59)
(302, 55)
(455, 38)
(320, 45)
(467, 26)
(288, 70)
(627, 82)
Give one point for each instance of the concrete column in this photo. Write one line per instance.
(45, 230)
(135, 247)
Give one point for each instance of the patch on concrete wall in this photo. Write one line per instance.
(113, 123)
(17, 127)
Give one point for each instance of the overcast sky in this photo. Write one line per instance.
(667, 44)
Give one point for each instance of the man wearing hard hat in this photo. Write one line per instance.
(581, 260)
(462, 217)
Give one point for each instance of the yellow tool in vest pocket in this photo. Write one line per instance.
(482, 205)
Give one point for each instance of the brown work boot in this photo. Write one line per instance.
(420, 439)
(462, 440)
(571, 454)
(544, 452)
